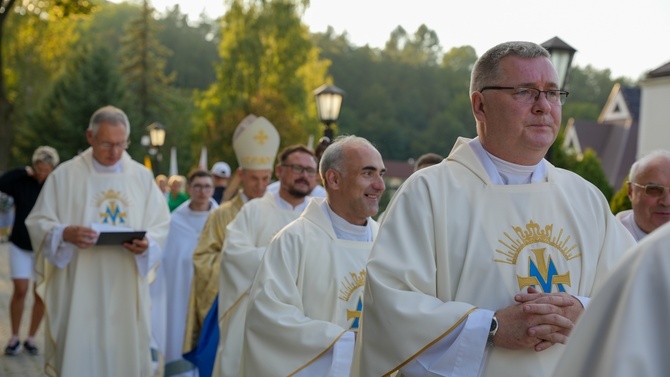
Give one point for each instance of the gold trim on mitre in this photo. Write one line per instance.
(256, 142)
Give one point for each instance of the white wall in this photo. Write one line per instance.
(654, 130)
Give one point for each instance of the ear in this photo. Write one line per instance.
(333, 178)
(89, 137)
(478, 109)
(278, 171)
(630, 190)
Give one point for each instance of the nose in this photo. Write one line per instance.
(664, 199)
(541, 104)
(379, 184)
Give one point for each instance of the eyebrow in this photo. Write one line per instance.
(372, 168)
(551, 85)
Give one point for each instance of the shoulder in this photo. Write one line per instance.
(571, 180)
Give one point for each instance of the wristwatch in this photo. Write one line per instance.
(492, 331)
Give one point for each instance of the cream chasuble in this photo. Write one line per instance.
(623, 332)
(453, 242)
(248, 236)
(206, 263)
(97, 307)
(307, 293)
(176, 271)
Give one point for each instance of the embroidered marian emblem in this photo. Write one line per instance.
(352, 294)
(112, 207)
(539, 244)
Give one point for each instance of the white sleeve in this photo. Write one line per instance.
(460, 353)
(56, 250)
(149, 258)
(584, 300)
(334, 363)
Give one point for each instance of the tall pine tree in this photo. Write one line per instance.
(61, 117)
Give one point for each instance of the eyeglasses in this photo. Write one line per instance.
(652, 190)
(530, 95)
(199, 187)
(107, 145)
(299, 169)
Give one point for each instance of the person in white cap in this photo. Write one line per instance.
(255, 142)
(247, 237)
(305, 303)
(221, 173)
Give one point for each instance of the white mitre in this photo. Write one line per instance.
(256, 142)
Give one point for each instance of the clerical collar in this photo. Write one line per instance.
(504, 172)
(283, 204)
(243, 197)
(345, 230)
(638, 232)
(100, 168)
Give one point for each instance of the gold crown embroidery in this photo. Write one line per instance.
(109, 201)
(534, 234)
(350, 286)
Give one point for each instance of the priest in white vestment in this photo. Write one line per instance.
(97, 296)
(306, 301)
(484, 262)
(255, 142)
(176, 270)
(649, 194)
(247, 237)
(623, 331)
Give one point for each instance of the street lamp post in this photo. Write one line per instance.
(561, 56)
(328, 104)
(156, 141)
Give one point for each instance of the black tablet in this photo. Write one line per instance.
(118, 238)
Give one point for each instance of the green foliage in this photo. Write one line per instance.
(144, 60)
(44, 9)
(269, 68)
(408, 98)
(194, 51)
(620, 201)
(62, 116)
(405, 107)
(587, 166)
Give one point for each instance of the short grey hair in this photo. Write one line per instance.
(47, 155)
(485, 70)
(108, 114)
(640, 165)
(333, 156)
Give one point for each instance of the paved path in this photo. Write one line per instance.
(23, 364)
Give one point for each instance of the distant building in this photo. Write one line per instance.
(614, 137)
(396, 173)
(655, 111)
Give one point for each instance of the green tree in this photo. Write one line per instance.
(268, 67)
(620, 201)
(49, 10)
(144, 60)
(194, 50)
(588, 166)
(60, 119)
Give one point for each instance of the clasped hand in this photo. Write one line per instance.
(538, 320)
